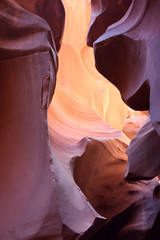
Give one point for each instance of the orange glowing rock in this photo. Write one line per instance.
(82, 95)
(44, 189)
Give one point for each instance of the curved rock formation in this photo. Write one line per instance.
(132, 208)
(83, 105)
(103, 14)
(145, 146)
(28, 66)
(52, 12)
(127, 54)
(86, 118)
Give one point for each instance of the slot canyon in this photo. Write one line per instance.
(80, 120)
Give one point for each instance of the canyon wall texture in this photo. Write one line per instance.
(127, 54)
(86, 166)
(28, 66)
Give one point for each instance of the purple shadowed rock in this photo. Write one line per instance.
(103, 14)
(128, 55)
(28, 66)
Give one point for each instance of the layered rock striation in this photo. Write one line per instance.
(28, 66)
(77, 183)
(127, 54)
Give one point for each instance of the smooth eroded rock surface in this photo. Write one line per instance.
(28, 66)
(127, 54)
(131, 208)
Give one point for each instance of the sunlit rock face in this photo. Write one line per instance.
(80, 88)
(83, 117)
(84, 105)
(77, 188)
(28, 66)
